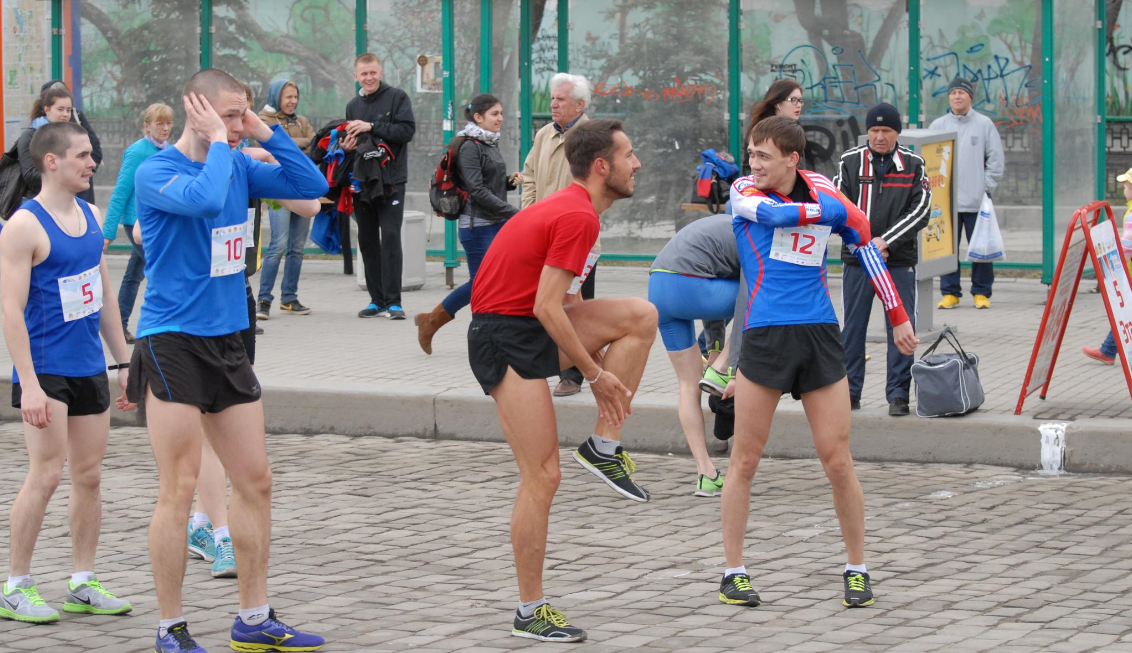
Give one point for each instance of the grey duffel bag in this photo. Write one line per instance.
(947, 384)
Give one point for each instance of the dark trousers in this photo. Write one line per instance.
(857, 296)
(379, 239)
(982, 274)
(587, 291)
(131, 280)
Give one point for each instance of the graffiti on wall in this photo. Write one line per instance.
(838, 86)
(678, 91)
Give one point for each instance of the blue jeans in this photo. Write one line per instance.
(982, 274)
(475, 243)
(131, 281)
(1108, 347)
(289, 233)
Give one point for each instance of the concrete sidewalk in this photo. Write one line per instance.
(331, 372)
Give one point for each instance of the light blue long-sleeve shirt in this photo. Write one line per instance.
(122, 209)
(193, 218)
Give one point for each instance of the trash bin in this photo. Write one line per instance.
(412, 252)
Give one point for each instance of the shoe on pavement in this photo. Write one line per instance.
(1097, 355)
(294, 308)
(854, 404)
(130, 339)
(373, 310)
(263, 310)
(546, 625)
(178, 640)
(23, 603)
(258, 330)
(714, 382)
(200, 543)
(224, 566)
(710, 487)
(272, 635)
(91, 598)
(736, 590)
(428, 324)
(948, 301)
(395, 312)
(566, 387)
(898, 407)
(615, 470)
(858, 590)
(982, 301)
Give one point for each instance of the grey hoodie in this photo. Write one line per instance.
(978, 158)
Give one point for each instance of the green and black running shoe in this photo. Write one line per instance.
(858, 591)
(736, 590)
(715, 382)
(547, 625)
(615, 470)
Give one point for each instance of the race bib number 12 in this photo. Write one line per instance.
(81, 294)
(228, 249)
(800, 245)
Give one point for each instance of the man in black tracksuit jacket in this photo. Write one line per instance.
(381, 111)
(887, 182)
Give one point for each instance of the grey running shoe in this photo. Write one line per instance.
(263, 310)
(547, 625)
(615, 470)
(91, 598)
(25, 604)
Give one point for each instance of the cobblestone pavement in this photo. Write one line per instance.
(401, 544)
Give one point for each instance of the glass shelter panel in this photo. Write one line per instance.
(1118, 100)
(1074, 77)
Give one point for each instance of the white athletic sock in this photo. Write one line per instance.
(80, 577)
(219, 534)
(13, 581)
(255, 616)
(731, 571)
(200, 520)
(857, 568)
(528, 609)
(604, 445)
(164, 625)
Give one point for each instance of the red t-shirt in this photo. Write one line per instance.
(559, 231)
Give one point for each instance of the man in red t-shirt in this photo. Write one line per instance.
(525, 329)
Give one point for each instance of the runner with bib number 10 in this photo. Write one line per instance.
(791, 340)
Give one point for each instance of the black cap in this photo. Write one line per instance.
(963, 84)
(883, 115)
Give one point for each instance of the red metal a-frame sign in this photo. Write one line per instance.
(1102, 243)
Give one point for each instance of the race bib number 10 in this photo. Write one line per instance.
(81, 294)
(800, 245)
(228, 249)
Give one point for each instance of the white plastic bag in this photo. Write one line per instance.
(986, 240)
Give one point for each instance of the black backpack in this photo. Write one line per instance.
(444, 192)
(12, 184)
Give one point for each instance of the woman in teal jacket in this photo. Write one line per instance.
(157, 124)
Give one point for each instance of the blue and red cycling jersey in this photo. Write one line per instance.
(782, 249)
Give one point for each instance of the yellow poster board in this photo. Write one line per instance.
(937, 239)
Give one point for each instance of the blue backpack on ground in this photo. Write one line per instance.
(713, 180)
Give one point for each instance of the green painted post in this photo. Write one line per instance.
(734, 80)
(57, 39)
(1102, 128)
(206, 34)
(361, 28)
(526, 119)
(563, 36)
(486, 38)
(914, 63)
(448, 54)
(1048, 149)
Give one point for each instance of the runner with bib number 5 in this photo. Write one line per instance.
(791, 343)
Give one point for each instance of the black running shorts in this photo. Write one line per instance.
(795, 358)
(84, 395)
(496, 342)
(211, 373)
(248, 334)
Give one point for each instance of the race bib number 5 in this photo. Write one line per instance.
(800, 245)
(81, 294)
(228, 249)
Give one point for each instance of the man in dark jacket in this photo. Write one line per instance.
(381, 111)
(887, 182)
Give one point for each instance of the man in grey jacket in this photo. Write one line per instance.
(978, 169)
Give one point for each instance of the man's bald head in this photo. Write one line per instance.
(211, 82)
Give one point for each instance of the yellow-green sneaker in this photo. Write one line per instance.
(91, 598)
(710, 487)
(714, 382)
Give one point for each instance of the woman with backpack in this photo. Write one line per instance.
(157, 125)
(482, 173)
(53, 105)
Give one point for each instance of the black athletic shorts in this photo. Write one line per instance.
(795, 358)
(496, 342)
(84, 395)
(211, 373)
(248, 334)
